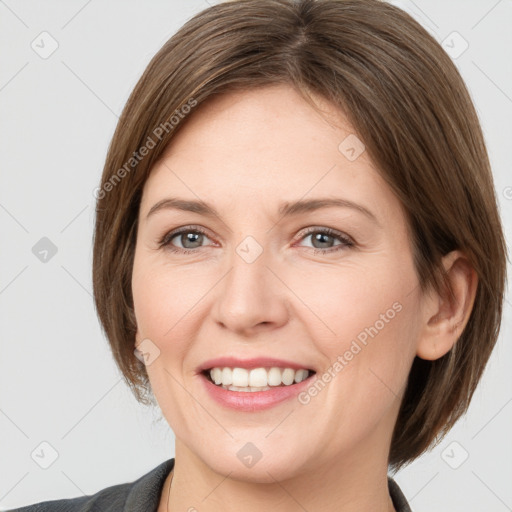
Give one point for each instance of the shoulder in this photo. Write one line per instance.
(111, 498)
(141, 495)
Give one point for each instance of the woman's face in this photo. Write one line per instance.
(262, 279)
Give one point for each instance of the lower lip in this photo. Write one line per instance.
(252, 401)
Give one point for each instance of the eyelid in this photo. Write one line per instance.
(329, 231)
(169, 235)
(346, 241)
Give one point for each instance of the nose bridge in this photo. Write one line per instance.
(249, 295)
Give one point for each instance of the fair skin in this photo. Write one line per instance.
(245, 154)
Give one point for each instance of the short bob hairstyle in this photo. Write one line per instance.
(405, 100)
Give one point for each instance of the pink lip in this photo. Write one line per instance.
(257, 362)
(247, 401)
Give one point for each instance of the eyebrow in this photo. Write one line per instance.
(286, 209)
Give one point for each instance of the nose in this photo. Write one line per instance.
(251, 298)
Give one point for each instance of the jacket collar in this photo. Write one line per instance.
(145, 493)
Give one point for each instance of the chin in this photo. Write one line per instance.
(246, 463)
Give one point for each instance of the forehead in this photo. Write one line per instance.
(264, 146)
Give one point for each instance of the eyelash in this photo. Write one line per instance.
(346, 242)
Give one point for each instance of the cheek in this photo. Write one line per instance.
(164, 297)
(368, 325)
(161, 304)
(355, 301)
(167, 302)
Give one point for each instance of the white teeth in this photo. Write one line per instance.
(248, 388)
(288, 376)
(274, 377)
(216, 375)
(227, 377)
(256, 379)
(240, 377)
(300, 375)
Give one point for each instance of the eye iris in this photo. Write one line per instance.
(191, 237)
(319, 237)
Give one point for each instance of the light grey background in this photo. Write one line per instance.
(58, 382)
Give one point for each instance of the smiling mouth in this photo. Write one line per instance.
(255, 379)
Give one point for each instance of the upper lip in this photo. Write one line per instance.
(255, 362)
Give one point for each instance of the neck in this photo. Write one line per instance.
(354, 484)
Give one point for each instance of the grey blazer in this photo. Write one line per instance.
(143, 495)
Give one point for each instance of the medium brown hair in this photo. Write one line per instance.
(408, 104)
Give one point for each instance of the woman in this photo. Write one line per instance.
(297, 255)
